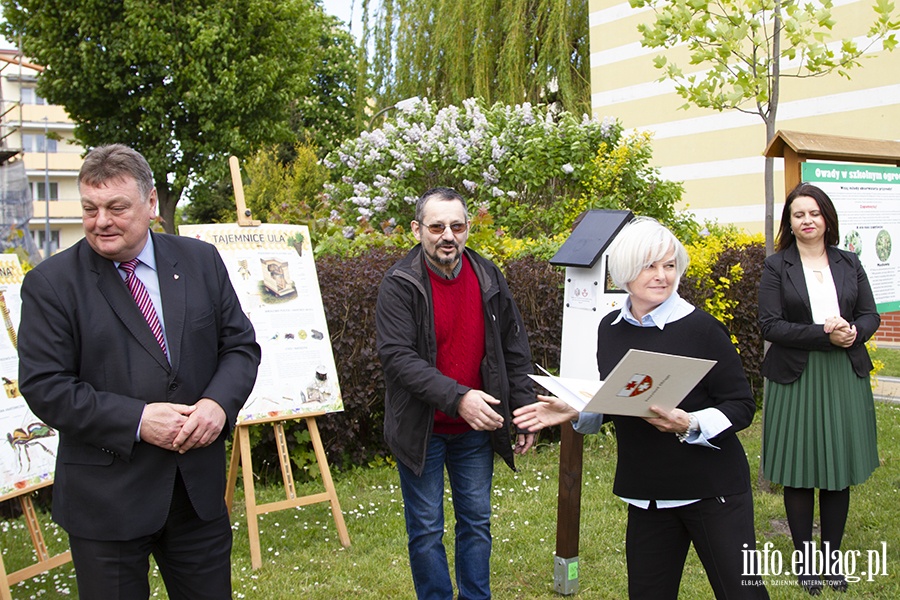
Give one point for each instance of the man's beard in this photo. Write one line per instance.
(442, 259)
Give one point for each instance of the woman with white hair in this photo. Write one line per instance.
(683, 472)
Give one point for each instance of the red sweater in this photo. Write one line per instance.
(459, 328)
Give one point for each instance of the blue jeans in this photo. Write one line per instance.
(469, 459)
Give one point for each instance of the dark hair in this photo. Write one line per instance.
(116, 161)
(826, 207)
(442, 193)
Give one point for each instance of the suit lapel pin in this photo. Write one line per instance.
(175, 275)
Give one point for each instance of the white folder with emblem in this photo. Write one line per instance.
(641, 379)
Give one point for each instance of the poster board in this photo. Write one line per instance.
(867, 200)
(28, 459)
(273, 272)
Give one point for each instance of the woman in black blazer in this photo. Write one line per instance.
(817, 310)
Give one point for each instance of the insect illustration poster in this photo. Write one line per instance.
(273, 272)
(29, 457)
(867, 200)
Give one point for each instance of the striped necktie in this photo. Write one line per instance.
(145, 304)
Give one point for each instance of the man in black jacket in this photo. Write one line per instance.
(134, 347)
(456, 363)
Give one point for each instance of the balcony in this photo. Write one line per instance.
(67, 210)
(56, 115)
(56, 161)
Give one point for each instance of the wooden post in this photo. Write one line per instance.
(568, 511)
(240, 456)
(792, 166)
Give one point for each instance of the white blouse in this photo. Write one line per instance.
(822, 295)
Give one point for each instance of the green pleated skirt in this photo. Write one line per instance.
(819, 431)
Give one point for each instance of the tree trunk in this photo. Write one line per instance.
(770, 117)
(770, 200)
(166, 206)
(765, 485)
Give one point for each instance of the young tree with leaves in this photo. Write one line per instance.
(746, 47)
(287, 193)
(187, 84)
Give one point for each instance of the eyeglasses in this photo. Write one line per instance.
(438, 228)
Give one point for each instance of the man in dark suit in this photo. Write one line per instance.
(142, 396)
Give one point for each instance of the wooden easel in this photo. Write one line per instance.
(240, 456)
(240, 450)
(44, 562)
(244, 218)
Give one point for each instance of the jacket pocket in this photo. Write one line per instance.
(203, 321)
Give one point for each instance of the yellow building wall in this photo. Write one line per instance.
(718, 156)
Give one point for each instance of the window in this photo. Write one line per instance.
(40, 237)
(38, 190)
(30, 96)
(32, 142)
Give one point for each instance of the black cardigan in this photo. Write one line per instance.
(653, 465)
(785, 315)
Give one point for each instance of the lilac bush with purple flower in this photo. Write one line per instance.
(525, 165)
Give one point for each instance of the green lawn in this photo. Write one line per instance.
(891, 359)
(303, 558)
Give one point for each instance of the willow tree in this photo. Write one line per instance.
(509, 51)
